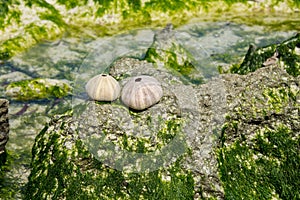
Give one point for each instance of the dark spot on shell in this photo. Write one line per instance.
(138, 80)
(103, 74)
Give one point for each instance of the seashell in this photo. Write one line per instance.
(141, 92)
(103, 87)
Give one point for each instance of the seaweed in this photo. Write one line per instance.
(285, 52)
(266, 167)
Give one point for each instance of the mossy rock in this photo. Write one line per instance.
(166, 52)
(57, 18)
(65, 169)
(38, 88)
(73, 165)
(285, 54)
(244, 155)
(259, 149)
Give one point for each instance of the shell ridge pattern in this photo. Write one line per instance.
(103, 88)
(109, 89)
(141, 92)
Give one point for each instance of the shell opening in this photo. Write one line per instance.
(138, 80)
(103, 74)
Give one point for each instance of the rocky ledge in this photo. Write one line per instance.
(259, 139)
(234, 136)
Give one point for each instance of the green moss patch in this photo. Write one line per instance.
(175, 58)
(77, 17)
(264, 168)
(284, 55)
(37, 89)
(259, 152)
(62, 168)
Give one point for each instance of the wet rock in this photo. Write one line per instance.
(166, 52)
(286, 55)
(4, 125)
(260, 105)
(154, 143)
(235, 136)
(39, 88)
(259, 143)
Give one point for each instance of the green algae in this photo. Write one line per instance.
(285, 53)
(182, 66)
(173, 57)
(70, 172)
(7, 190)
(259, 152)
(167, 132)
(38, 88)
(266, 167)
(116, 16)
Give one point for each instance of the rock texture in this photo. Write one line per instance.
(4, 125)
(259, 104)
(285, 55)
(236, 136)
(259, 145)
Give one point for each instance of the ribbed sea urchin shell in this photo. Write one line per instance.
(141, 92)
(103, 87)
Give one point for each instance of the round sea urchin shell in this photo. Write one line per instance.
(103, 87)
(141, 92)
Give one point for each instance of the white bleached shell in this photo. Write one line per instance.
(103, 87)
(141, 92)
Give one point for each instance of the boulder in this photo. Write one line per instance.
(258, 153)
(235, 136)
(286, 55)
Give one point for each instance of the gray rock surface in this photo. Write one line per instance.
(198, 109)
(259, 148)
(210, 44)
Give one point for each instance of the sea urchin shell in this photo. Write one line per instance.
(103, 87)
(141, 92)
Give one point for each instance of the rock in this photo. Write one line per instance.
(4, 125)
(39, 88)
(285, 54)
(259, 145)
(236, 136)
(166, 52)
(153, 143)
(260, 105)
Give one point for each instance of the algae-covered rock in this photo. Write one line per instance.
(285, 54)
(259, 149)
(148, 131)
(38, 88)
(83, 146)
(26, 23)
(256, 154)
(65, 169)
(175, 149)
(166, 52)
